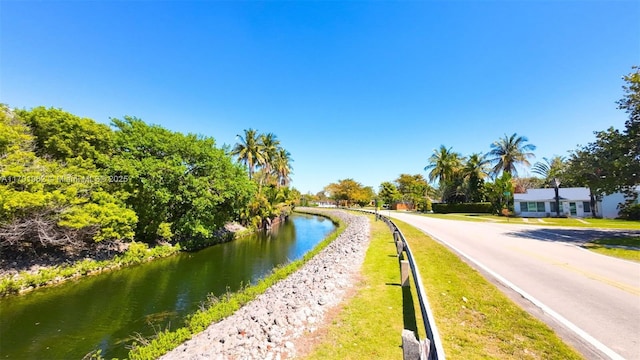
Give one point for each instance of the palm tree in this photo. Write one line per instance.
(475, 170)
(282, 166)
(550, 168)
(509, 151)
(270, 146)
(444, 165)
(249, 150)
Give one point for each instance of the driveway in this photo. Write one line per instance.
(591, 300)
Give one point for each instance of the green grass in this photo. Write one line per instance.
(369, 326)
(475, 319)
(573, 222)
(600, 246)
(219, 309)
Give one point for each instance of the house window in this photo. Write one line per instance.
(532, 206)
(586, 206)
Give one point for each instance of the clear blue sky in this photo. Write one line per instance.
(359, 89)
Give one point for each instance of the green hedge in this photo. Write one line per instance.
(483, 207)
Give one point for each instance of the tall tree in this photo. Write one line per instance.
(282, 167)
(630, 103)
(444, 164)
(269, 146)
(475, 170)
(249, 150)
(509, 151)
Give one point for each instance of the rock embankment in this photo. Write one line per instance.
(266, 327)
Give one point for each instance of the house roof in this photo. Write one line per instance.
(576, 193)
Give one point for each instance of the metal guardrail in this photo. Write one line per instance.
(433, 349)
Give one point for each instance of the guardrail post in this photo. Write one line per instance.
(404, 273)
(412, 349)
(399, 248)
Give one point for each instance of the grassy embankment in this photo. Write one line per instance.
(475, 320)
(219, 309)
(369, 325)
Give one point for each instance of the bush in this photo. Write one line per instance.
(483, 207)
(630, 212)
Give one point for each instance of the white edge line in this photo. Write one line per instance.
(583, 334)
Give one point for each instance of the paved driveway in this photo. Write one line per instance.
(592, 300)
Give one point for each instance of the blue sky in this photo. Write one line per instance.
(357, 89)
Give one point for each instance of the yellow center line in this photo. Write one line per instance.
(633, 290)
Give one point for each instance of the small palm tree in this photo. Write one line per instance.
(510, 151)
(249, 150)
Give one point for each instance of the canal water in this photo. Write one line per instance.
(106, 311)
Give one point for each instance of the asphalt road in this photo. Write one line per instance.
(592, 300)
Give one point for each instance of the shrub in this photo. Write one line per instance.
(630, 212)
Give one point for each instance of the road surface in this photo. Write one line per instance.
(592, 300)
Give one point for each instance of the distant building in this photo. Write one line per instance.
(574, 202)
(541, 202)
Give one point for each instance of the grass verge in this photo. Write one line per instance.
(167, 340)
(370, 323)
(607, 247)
(475, 319)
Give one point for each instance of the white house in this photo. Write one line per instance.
(574, 202)
(610, 203)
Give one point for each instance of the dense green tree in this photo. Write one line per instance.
(176, 179)
(61, 198)
(349, 192)
(389, 193)
(61, 136)
(509, 151)
(414, 189)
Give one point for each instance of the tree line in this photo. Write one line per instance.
(68, 182)
(609, 164)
